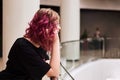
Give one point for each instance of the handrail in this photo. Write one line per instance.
(69, 41)
(53, 78)
(67, 71)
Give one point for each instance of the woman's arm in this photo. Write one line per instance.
(55, 58)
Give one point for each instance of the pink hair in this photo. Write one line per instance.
(42, 26)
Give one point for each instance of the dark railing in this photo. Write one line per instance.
(70, 41)
(66, 71)
(53, 78)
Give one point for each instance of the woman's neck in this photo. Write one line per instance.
(35, 44)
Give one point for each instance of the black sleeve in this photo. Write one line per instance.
(44, 53)
(35, 66)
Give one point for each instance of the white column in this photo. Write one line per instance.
(70, 33)
(16, 15)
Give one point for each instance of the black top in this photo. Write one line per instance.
(25, 62)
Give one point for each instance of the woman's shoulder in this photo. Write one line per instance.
(21, 41)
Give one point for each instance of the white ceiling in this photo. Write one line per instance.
(91, 4)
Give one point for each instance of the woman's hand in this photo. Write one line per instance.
(56, 36)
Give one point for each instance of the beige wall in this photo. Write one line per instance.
(90, 4)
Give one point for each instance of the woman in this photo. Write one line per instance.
(28, 57)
